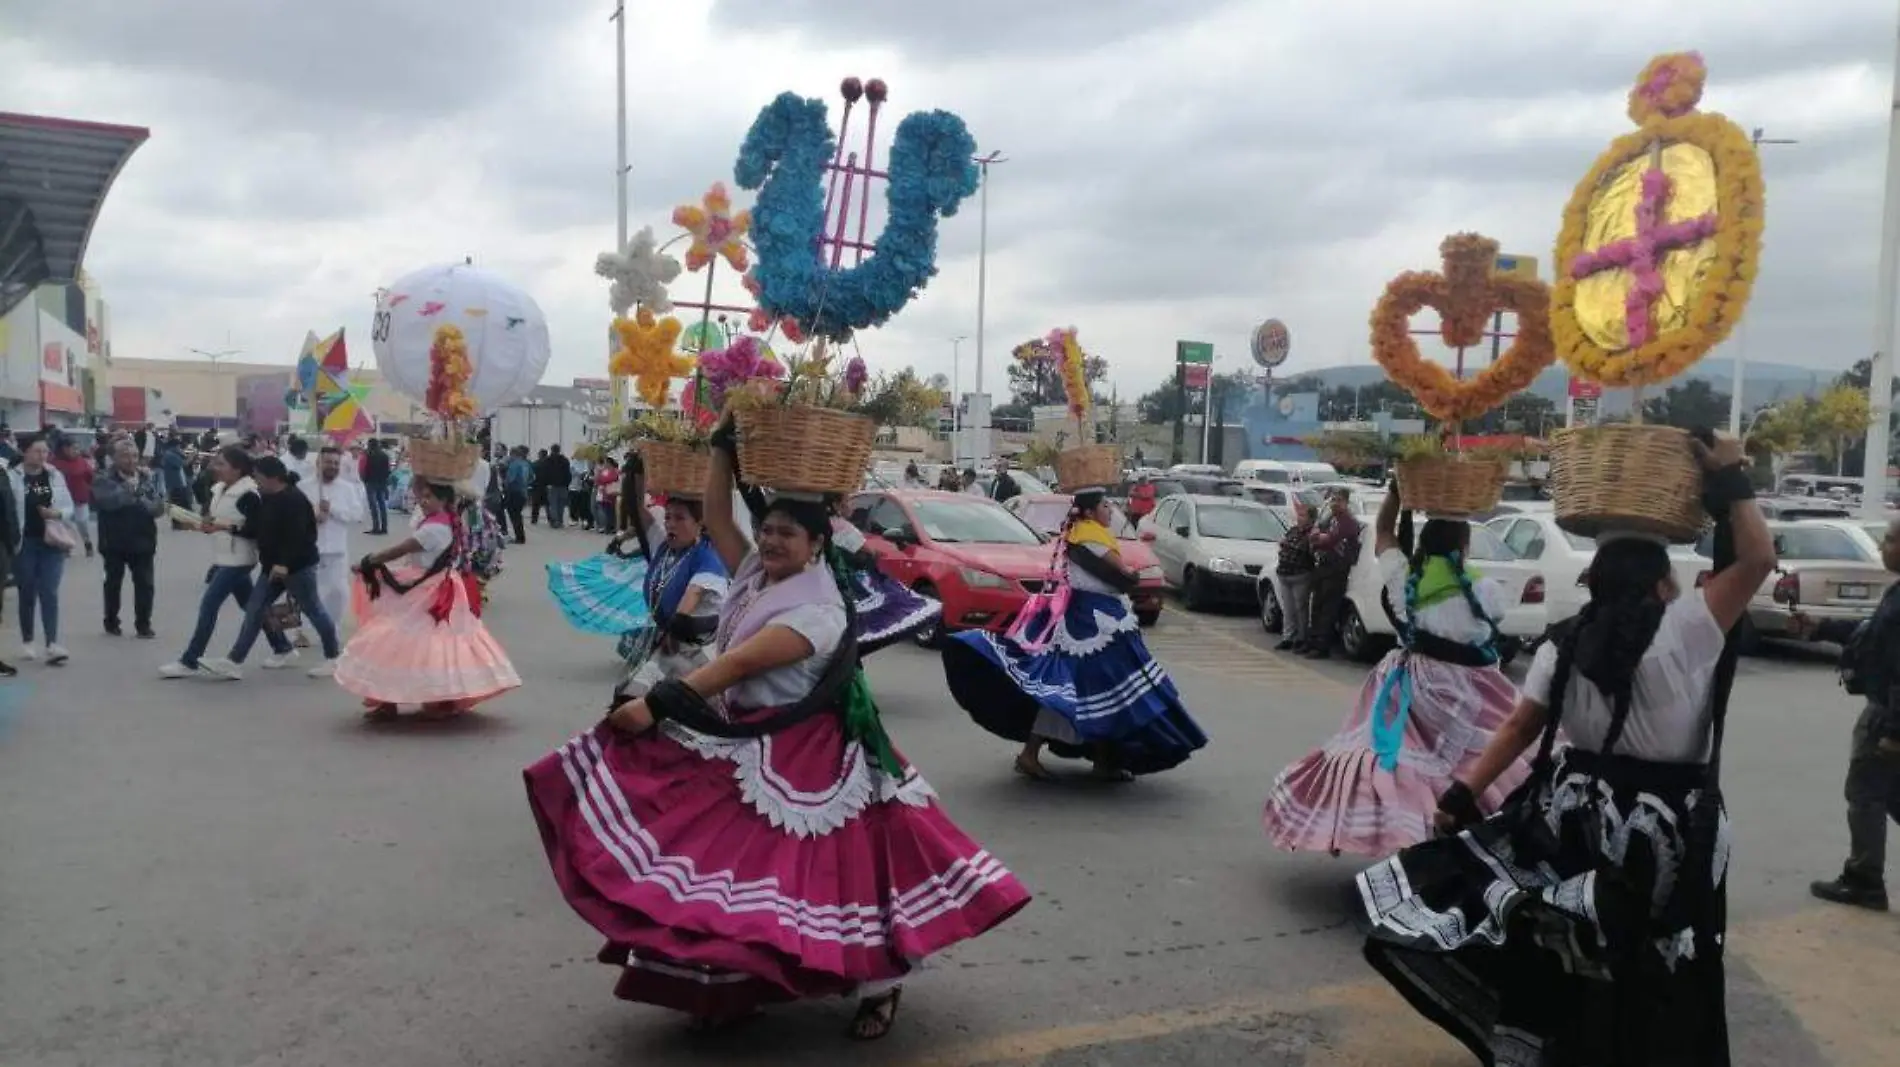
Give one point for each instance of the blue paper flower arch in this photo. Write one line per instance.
(784, 157)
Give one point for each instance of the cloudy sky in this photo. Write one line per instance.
(1177, 168)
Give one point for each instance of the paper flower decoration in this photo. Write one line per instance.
(640, 273)
(716, 230)
(856, 374)
(742, 360)
(647, 355)
(1074, 363)
(449, 372)
(1465, 294)
(1661, 240)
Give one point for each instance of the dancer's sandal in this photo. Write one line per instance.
(876, 1016)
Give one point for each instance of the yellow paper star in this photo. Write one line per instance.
(648, 356)
(716, 230)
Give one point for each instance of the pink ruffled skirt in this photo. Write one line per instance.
(400, 653)
(1338, 799)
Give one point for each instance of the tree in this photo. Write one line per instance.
(1781, 429)
(1162, 405)
(1038, 382)
(1691, 404)
(1838, 419)
(902, 400)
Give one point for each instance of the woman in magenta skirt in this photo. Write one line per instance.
(746, 834)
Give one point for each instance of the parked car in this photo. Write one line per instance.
(1792, 508)
(1563, 558)
(1045, 512)
(1279, 496)
(1366, 633)
(1214, 548)
(1829, 569)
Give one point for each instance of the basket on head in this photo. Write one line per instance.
(442, 461)
(674, 468)
(1451, 485)
(1642, 479)
(800, 448)
(1089, 466)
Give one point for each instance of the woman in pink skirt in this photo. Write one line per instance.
(1428, 710)
(421, 638)
(746, 834)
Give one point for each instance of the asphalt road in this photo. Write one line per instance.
(199, 873)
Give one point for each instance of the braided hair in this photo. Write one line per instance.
(1440, 537)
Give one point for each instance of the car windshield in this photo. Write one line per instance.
(972, 522)
(1272, 476)
(1877, 531)
(1047, 516)
(1818, 543)
(1240, 524)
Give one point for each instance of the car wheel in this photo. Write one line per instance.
(931, 636)
(1193, 591)
(1271, 618)
(1353, 637)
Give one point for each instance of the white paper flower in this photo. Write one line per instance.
(639, 274)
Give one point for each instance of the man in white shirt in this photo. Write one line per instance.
(297, 460)
(340, 503)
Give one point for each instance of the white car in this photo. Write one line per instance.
(1364, 630)
(1213, 548)
(1563, 558)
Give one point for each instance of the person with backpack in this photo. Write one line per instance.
(376, 472)
(1870, 669)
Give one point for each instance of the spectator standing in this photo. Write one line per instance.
(1141, 498)
(44, 541)
(606, 495)
(1004, 489)
(9, 454)
(171, 464)
(129, 501)
(376, 471)
(9, 548)
(339, 503)
(1336, 551)
(297, 459)
(555, 474)
(580, 493)
(517, 483)
(78, 470)
(284, 526)
(1295, 571)
(538, 488)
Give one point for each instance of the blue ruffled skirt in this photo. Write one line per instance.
(1094, 682)
(602, 594)
(887, 611)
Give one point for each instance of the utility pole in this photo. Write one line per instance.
(1740, 360)
(1873, 499)
(983, 253)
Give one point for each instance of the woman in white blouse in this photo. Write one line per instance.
(1585, 922)
(747, 834)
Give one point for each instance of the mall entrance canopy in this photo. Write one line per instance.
(54, 175)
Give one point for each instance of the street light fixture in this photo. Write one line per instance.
(1740, 360)
(983, 253)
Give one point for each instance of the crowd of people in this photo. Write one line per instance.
(1548, 860)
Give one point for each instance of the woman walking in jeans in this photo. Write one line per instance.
(234, 498)
(40, 493)
(284, 528)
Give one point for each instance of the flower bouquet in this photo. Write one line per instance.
(1087, 466)
(447, 454)
(1656, 258)
(795, 434)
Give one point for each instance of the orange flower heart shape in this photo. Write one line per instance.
(1466, 295)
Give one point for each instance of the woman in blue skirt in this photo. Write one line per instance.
(1073, 674)
(604, 593)
(685, 585)
(887, 611)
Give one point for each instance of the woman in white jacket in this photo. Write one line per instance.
(234, 499)
(42, 498)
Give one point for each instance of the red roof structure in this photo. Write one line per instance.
(54, 176)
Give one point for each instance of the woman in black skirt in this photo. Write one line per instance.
(1584, 922)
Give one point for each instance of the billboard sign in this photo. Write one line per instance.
(1194, 375)
(1191, 352)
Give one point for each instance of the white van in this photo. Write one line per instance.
(1284, 472)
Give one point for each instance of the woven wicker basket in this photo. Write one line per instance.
(1089, 466)
(799, 448)
(442, 461)
(1642, 479)
(1451, 485)
(674, 468)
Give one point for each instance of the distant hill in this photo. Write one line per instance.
(1766, 383)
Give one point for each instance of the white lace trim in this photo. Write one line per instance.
(797, 812)
(1106, 630)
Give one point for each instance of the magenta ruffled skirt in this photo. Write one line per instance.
(729, 874)
(1338, 799)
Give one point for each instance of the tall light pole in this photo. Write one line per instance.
(1740, 360)
(956, 405)
(618, 386)
(983, 253)
(1873, 499)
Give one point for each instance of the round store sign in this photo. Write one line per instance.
(1271, 343)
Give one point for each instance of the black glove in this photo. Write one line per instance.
(1721, 488)
(1461, 805)
(726, 437)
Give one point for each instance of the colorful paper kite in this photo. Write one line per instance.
(339, 408)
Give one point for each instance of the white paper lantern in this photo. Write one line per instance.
(506, 332)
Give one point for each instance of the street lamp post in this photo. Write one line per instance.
(1740, 360)
(983, 253)
(1873, 500)
(956, 407)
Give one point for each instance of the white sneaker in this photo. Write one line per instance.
(56, 656)
(221, 668)
(326, 669)
(278, 663)
(30, 654)
(175, 669)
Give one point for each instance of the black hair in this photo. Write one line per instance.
(271, 467)
(1441, 537)
(299, 447)
(329, 450)
(1613, 632)
(813, 515)
(1089, 499)
(238, 458)
(692, 507)
(442, 491)
(1447, 539)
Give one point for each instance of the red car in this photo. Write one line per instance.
(971, 553)
(1045, 512)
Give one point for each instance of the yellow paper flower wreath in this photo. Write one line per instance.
(1701, 264)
